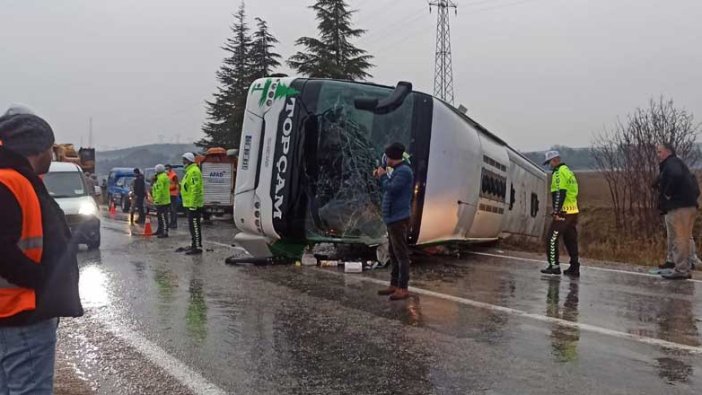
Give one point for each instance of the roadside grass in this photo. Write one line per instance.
(598, 237)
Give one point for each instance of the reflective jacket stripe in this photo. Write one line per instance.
(31, 243)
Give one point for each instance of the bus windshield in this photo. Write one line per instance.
(349, 145)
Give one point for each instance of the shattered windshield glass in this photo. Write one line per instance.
(347, 197)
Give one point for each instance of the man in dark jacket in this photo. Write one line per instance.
(39, 270)
(139, 195)
(679, 191)
(397, 201)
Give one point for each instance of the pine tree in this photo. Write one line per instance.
(226, 112)
(332, 55)
(262, 55)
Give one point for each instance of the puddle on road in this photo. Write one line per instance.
(93, 287)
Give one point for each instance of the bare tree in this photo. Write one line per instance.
(626, 156)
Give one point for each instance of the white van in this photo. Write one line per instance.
(66, 184)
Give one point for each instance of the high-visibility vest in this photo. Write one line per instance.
(173, 177)
(159, 191)
(564, 179)
(191, 188)
(15, 299)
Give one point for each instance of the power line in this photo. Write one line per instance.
(507, 5)
(443, 67)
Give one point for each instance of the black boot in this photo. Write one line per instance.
(573, 270)
(194, 251)
(667, 265)
(551, 270)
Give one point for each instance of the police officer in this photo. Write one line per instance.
(191, 190)
(564, 192)
(162, 200)
(38, 269)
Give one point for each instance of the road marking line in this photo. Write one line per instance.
(535, 317)
(515, 258)
(171, 365)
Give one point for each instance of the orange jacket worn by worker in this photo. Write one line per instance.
(173, 177)
(14, 299)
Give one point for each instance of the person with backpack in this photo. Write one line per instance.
(678, 193)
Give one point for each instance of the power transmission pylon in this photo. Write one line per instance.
(443, 66)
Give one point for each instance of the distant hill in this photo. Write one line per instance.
(576, 158)
(581, 158)
(142, 157)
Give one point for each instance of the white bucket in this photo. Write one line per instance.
(353, 267)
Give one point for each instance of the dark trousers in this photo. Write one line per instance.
(139, 207)
(194, 218)
(173, 223)
(162, 213)
(567, 229)
(399, 253)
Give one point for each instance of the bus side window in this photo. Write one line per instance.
(534, 205)
(512, 194)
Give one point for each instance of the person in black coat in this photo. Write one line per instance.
(139, 195)
(678, 193)
(39, 268)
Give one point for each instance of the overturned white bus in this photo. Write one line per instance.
(309, 147)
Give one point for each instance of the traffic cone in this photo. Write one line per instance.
(147, 228)
(113, 210)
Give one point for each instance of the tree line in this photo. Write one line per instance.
(251, 54)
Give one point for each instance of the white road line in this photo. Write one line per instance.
(515, 258)
(171, 365)
(536, 317)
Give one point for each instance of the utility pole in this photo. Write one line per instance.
(90, 132)
(443, 66)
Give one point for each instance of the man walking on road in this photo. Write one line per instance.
(139, 195)
(397, 201)
(679, 191)
(191, 190)
(564, 192)
(162, 200)
(174, 190)
(38, 269)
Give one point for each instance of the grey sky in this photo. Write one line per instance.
(536, 72)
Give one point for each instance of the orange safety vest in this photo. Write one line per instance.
(14, 299)
(174, 182)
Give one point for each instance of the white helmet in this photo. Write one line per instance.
(548, 156)
(160, 168)
(189, 157)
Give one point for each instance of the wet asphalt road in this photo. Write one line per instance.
(161, 322)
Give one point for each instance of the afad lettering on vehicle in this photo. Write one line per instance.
(281, 164)
(272, 90)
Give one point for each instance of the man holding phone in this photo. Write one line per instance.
(397, 201)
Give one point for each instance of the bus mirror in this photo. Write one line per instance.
(386, 104)
(232, 153)
(366, 103)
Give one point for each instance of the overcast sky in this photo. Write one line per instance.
(535, 72)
